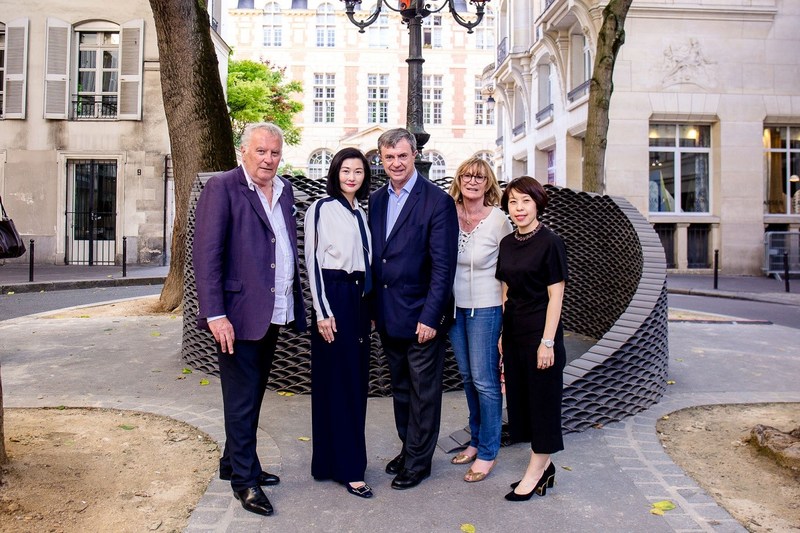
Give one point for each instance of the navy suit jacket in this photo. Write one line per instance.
(414, 268)
(234, 255)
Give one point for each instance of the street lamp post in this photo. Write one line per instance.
(413, 13)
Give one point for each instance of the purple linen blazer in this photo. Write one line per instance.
(234, 255)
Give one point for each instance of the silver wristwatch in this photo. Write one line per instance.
(548, 343)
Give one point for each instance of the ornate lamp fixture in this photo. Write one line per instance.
(413, 13)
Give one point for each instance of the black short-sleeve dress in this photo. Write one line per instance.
(533, 396)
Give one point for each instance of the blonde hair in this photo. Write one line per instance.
(479, 166)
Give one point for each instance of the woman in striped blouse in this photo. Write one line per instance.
(337, 252)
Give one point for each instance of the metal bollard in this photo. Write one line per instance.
(786, 270)
(30, 259)
(124, 256)
(716, 269)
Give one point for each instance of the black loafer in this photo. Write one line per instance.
(408, 479)
(265, 479)
(364, 491)
(395, 466)
(254, 500)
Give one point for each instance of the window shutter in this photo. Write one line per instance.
(130, 70)
(56, 76)
(16, 69)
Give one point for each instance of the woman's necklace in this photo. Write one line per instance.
(467, 217)
(522, 237)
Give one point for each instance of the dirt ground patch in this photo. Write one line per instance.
(78, 470)
(708, 442)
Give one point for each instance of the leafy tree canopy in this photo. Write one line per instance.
(259, 92)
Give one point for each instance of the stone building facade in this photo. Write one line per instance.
(355, 84)
(705, 115)
(84, 148)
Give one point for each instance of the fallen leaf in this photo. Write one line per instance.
(10, 292)
(665, 417)
(186, 371)
(285, 393)
(567, 468)
(61, 407)
(304, 439)
(126, 427)
(671, 382)
(84, 316)
(679, 359)
(155, 334)
(664, 505)
(658, 512)
(204, 381)
(467, 528)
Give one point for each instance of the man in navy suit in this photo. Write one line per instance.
(415, 245)
(245, 263)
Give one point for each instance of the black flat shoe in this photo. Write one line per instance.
(395, 466)
(254, 500)
(265, 479)
(407, 479)
(364, 491)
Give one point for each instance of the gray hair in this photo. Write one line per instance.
(269, 127)
(390, 138)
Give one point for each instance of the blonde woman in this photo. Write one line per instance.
(478, 314)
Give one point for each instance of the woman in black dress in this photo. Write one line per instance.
(532, 265)
(337, 252)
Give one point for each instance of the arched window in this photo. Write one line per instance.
(273, 25)
(326, 26)
(486, 156)
(438, 167)
(318, 164)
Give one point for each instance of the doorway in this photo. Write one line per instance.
(91, 216)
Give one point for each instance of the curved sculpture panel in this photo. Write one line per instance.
(616, 294)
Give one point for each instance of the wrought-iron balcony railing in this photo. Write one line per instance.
(579, 91)
(502, 51)
(93, 107)
(545, 112)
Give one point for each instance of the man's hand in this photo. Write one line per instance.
(424, 333)
(327, 328)
(222, 329)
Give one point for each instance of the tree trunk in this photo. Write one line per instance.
(609, 40)
(200, 133)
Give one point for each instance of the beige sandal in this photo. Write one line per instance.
(463, 459)
(474, 477)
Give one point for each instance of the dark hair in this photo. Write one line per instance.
(531, 187)
(333, 187)
(390, 138)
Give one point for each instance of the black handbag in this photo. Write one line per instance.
(11, 244)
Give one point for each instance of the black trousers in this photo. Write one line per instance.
(244, 376)
(416, 374)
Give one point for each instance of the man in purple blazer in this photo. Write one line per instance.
(415, 245)
(248, 286)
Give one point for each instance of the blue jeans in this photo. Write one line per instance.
(474, 338)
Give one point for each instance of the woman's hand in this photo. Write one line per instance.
(327, 328)
(545, 357)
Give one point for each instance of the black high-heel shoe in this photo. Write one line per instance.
(545, 482)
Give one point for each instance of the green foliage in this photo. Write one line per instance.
(287, 169)
(259, 92)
